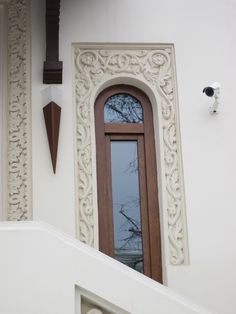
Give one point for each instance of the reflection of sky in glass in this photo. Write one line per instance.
(123, 108)
(126, 204)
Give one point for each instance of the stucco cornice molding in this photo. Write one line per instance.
(18, 112)
(153, 66)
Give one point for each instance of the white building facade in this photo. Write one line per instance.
(168, 50)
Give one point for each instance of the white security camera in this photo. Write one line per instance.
(213, 91)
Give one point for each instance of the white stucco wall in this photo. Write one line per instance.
(53, 195)
(42, 275)
(203, 33)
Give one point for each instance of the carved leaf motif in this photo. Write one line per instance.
(19, 153)
(94, 311)
(84, 233)
(93, 65)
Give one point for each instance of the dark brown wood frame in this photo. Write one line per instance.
(52, 70)
(144, 134)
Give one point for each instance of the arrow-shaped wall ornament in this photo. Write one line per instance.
(52, 117)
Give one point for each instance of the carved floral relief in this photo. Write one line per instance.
(89, 307)
(153, 66)
(18, 114)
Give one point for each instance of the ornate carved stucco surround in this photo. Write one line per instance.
(17, 111)
(152, 69)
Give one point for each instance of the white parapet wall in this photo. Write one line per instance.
(44, 271)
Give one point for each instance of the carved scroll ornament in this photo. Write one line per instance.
(90, 307)
(153, 66)
(94, 311)
(18, 113)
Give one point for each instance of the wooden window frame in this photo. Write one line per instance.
(144, 134)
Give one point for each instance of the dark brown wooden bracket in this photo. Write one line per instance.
(52, 72)
(52, 117)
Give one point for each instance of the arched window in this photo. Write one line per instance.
(129, 225)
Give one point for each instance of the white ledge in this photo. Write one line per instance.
(83, 266)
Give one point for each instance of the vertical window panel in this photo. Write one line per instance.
(128, 210)
(128, 245)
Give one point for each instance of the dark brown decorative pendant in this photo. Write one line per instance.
(52, 72)
(52, 116)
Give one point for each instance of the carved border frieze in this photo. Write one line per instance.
(153, 65)
(90, 307)
(18, 113)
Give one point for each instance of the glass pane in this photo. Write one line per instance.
(123, 108)
(126, 204)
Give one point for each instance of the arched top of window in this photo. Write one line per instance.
(123, 108)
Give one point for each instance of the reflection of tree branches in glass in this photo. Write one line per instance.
(133, 227)
(123, 108)
(129, 251)
(133, 164)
